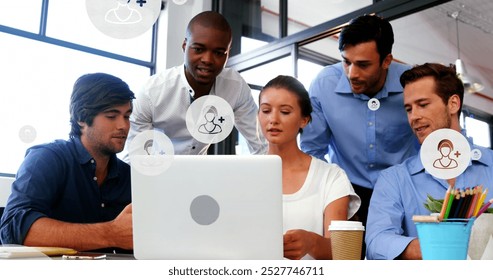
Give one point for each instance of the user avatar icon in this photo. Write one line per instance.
(210, 126)
(151, 152)
(123, 14)
(476, 154)
(210, 119)
(123, 19)
(445, 147)
(445, 153)
(373, 104)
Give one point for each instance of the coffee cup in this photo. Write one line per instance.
(346, 239)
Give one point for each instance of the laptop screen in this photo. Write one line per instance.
(209, 207)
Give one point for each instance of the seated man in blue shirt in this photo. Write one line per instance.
(433, 97)
(76, 193)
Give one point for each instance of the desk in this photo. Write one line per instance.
(109, 256)
(20, 252)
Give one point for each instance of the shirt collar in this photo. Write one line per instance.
(85, 157)
(415, 165)
(185, 82)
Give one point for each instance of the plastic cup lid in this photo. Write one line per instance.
(346, 225)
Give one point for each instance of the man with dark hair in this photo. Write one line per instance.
(76, 193)
(166, 97)
(433, 96)
(358, 122)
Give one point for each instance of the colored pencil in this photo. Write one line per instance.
(465, 205)
(450, 202)
(483, 209)
(459, 204)
(472, 206)
(480, 202)
(445, 203)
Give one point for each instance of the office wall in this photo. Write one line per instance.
(172, 24)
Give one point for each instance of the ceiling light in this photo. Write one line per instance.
(471, 84)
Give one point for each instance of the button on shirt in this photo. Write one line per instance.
(401, 192)
(57, 180)
(166, 97)
(361, 141)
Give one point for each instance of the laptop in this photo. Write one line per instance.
(209, 207)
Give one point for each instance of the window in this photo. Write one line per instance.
(478, 130)
(38, 75)
(22, 15)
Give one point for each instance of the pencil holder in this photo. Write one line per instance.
(447, 240)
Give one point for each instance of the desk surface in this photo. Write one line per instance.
(109, 256)
(56, 253)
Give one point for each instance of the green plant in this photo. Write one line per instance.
(433, 205)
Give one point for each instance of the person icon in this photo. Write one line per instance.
(210, 127)
(373, 104)
(445, 147)
(123, 14)
(475, 154)
(147, 145)
(154, 158)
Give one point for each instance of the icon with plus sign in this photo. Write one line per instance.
(123, 19)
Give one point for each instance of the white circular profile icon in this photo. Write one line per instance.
(476, 154)
(151, 152)
(123, 19)
(123, 13)
(27, 134)
(445, 153)
(373, 104)
(210, 119)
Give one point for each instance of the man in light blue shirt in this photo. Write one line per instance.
(357, 117)
(433, 97)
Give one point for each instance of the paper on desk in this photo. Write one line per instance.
(488, 251)
(17, 251)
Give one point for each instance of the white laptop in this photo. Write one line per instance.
(209, 207)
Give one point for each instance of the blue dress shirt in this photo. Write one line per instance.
(57, 180)
(401, 192)
(361, 141)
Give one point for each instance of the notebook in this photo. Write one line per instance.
(206, 207)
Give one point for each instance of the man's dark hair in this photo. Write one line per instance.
(447, 83)
(94, 93)
(368, 28)
(209, 19)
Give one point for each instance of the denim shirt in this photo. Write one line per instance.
(57, 180)
(401, 192)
